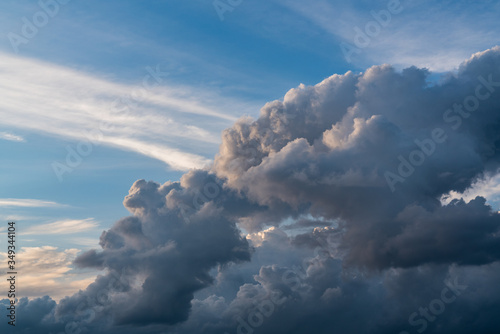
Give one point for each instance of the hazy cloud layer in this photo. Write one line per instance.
(397, 30)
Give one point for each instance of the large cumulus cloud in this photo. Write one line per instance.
(389, 143)
(346, 231)
(165, 252)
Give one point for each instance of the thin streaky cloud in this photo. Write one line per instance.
(86, 242)
(11, 137)
(28, 203)
(176, 159)
(53, 100)
(14, 217)
(63, 227)
(400, 41)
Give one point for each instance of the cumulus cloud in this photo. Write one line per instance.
(338, 186)
(348, 163)
(164, 252)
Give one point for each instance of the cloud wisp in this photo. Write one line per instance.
(150, 118)
(11, 137)
(63, 227)
(424, 34)
(28, 203)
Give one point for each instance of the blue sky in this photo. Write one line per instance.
(65, 80)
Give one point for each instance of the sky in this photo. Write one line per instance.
(184, 158)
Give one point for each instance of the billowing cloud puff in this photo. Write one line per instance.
(375, 147)
(164, 253)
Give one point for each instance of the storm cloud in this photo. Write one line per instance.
(337, 187)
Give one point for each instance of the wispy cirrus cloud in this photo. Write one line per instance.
(70, 226)
(174, 124)
(28, 203)
(450, 36)
(11, 137)
(487, 186)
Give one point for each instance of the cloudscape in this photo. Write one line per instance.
(233, 167)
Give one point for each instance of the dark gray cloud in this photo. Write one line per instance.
(159, 257)
(401, 143)
(319, 293)
(361, 160)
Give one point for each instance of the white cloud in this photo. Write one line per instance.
(162, 122)
(27, 203)
(63, 227)
(14, 217)
(11, 137)
(86, 242)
